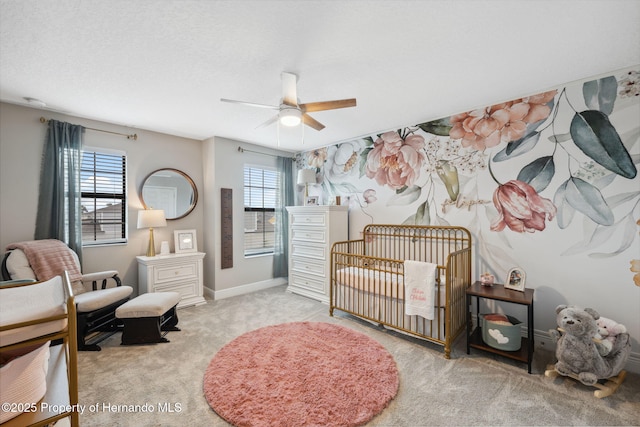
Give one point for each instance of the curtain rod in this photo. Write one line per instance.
(242, 150)
(134, 136)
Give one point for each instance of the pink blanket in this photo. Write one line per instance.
(49, 258)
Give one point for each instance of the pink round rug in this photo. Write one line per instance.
(301, 374)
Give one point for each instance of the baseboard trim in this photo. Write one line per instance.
(245, 289)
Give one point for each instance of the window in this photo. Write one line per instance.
(104, 202)
(260, 189)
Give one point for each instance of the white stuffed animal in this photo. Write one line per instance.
(608, 331)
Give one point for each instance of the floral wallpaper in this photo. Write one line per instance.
(551, 161)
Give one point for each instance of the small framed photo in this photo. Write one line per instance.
(515, 279)
(312, 201)
(185, 241)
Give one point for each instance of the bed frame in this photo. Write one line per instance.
(367, 277)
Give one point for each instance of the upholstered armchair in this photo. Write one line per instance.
(97, 295)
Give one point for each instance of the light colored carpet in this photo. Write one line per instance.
(301, 374)
(161, 385)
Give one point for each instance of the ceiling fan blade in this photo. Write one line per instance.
(311, 122)
(251, 104)
(289, 91)
(268, 122)
(327, 105)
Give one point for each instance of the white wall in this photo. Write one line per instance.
(21, 143)
(222, 156)
(212, 164)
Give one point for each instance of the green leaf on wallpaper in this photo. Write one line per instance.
(421, 217)
(538, 173)
(618, 199)
(362, 164)
(587, 199)
(626, 228)
(594, 134)
(601, 94)
(440, 127)
(598, 235)
(441, 221)
(516, 148)
(594, 236)
(604, 181)
(565, 211)
(560, 137)
(406, 196)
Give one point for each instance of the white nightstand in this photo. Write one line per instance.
(174, 272)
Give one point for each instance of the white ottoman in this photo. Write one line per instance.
(147, 316)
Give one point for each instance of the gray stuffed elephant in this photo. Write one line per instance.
(578, 353)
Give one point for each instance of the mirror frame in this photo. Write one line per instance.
(194, 202)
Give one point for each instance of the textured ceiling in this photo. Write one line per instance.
(163, 65)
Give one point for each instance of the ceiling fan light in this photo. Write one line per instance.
(290, 117)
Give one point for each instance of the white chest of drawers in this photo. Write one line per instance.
(174, 272)
(312, 232)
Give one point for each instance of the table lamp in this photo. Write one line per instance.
(306, 177)
(150, 218)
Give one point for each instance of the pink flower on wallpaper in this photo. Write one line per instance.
(538, 108)
(395, 161)
(369, 196)
(521, 208)
(505, 122)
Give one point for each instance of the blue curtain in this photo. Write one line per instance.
(59, 210)
(284, 199)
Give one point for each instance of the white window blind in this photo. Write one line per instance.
(104, 204)
(260, 193)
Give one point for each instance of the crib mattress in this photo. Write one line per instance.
(382, 283)
(31, 302)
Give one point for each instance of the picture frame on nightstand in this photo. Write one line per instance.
(185, 241)
(515, 280)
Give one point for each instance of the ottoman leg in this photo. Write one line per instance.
(142, 330)
(170, 320)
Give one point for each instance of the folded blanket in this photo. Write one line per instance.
(49, 258)
(419, 280)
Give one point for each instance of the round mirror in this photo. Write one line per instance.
(171, 190)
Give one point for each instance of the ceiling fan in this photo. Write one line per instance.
(290, 113)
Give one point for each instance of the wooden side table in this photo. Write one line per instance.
(499, 293)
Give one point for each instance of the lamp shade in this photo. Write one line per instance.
(306, 176)
(150, 218)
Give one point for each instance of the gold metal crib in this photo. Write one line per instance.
(367, 278)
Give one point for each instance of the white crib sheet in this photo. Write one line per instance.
(382, 283)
